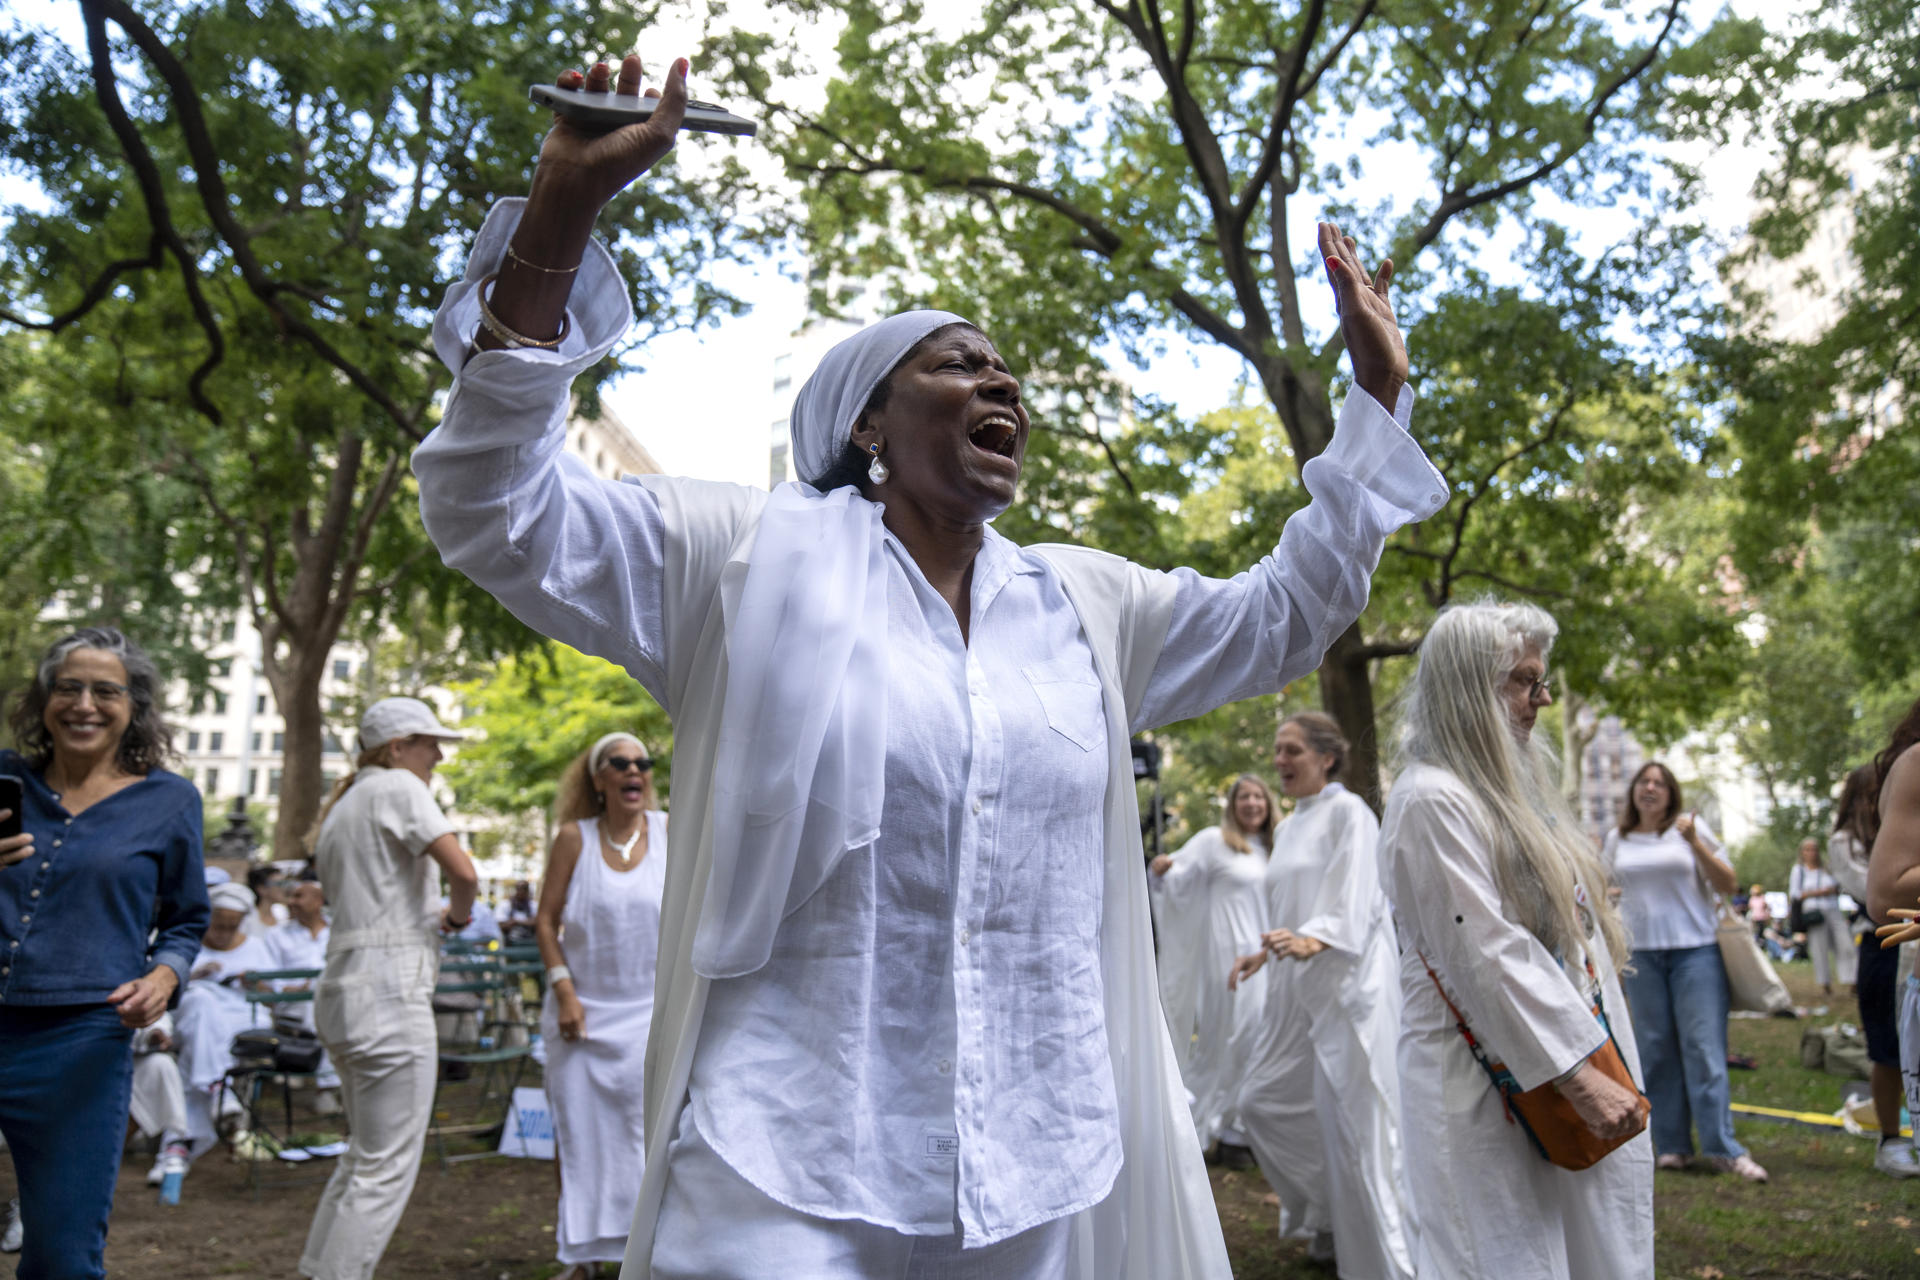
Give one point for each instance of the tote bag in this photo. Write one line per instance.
(1751, 980)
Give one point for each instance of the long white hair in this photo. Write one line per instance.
(1452, 717)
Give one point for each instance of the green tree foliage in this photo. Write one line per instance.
(1820, 377)
(255, 207)
(533, 714)
(1074, 175)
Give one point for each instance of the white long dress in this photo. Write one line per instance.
(1212, 899)
(1319, 1101)
(610, 928)
(1486, 1202)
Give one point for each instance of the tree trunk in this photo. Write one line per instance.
(1346, 691)
(296, 692)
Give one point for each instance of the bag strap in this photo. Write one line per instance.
(1503, 1082)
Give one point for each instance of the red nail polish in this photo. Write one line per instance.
(1333, 264)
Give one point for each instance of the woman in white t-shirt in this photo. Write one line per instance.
(1669, 869)
(1813, 889)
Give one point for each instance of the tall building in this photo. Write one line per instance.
(234, 743)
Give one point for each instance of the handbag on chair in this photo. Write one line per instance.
(278, 1050)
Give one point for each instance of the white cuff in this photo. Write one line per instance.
(1375, 449)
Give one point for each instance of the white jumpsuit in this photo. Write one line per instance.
(1209, 907)
(610, 930)
(373, 1011)
(1319, 1100)
(1486, 1202)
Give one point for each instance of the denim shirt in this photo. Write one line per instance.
(77, 916)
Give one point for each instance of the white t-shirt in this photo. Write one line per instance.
(1665, 900)
(368, 857)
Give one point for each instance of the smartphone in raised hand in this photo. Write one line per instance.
(605, 112)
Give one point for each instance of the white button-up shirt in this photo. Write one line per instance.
(926, 1046)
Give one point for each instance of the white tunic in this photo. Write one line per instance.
(1486, 1203)
(610, 931)
(1217, 897)
(213, 1010)
(1320, 1100)
(646, 574)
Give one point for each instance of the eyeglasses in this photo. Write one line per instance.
(620, 764)
(105, 692)
(1538, 689)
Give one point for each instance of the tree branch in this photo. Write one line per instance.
(95, 292)
(218, 206)
(147, 175)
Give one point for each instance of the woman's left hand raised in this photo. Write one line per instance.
(1372, 335)
(142, 1001)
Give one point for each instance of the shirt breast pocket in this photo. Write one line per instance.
(1070, 696)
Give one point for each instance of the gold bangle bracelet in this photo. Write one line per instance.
(493, 325)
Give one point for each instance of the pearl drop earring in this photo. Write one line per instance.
(878, 472)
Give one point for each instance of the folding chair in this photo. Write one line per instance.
(499, 1048)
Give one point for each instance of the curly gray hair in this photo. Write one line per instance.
(148, 742)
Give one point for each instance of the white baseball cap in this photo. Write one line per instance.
(392, 718)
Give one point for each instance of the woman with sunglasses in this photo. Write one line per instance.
(599, 930)
(102, 904)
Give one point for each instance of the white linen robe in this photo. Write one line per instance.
(1320, 1098)
(1159, 1220)
(1210, 906)
(1487, 1204)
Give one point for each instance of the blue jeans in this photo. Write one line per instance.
(66, 1072)
(1680, 1003)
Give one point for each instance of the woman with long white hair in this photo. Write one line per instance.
(1320, 1100)
(1503, 914)
(598, 926)
(1208, 905)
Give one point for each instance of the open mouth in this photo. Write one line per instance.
(996, 435)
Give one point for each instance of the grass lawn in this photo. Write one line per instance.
(1825, 1214)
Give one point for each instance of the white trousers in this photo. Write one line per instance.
(377, 1024)
(159, 1101)
(1831, 942)
(715, 1225)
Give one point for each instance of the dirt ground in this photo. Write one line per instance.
(1824, 1216)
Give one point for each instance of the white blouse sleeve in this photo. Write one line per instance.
(1348, 907)
(1249, 635)
(1186, 881)
(584, 560)
(1519, 1002)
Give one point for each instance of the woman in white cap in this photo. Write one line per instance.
(598, 926)
(906, 1017)
(381, 845)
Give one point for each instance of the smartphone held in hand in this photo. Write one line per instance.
(12, 798)
(603, 112)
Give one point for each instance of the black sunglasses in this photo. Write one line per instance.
(620, 764)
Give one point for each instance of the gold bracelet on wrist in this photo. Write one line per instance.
(493, 325)
(517, 260)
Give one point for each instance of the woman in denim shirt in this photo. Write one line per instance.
(102, 904)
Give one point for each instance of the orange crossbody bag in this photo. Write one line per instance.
(1551, 1124)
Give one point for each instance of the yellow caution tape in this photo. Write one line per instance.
(1799, 1117)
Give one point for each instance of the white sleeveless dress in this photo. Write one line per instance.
(610, 930)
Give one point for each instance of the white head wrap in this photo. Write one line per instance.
(232, 897)
(598, 755)
(831, 400)
(801, 759)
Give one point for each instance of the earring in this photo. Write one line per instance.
(878, 472)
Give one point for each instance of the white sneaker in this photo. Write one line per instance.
(168, 1161)
(15, 1232)
(1896, 1159)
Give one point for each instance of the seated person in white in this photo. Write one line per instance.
(301, 943)
(159, 1104)
(212, 1010)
